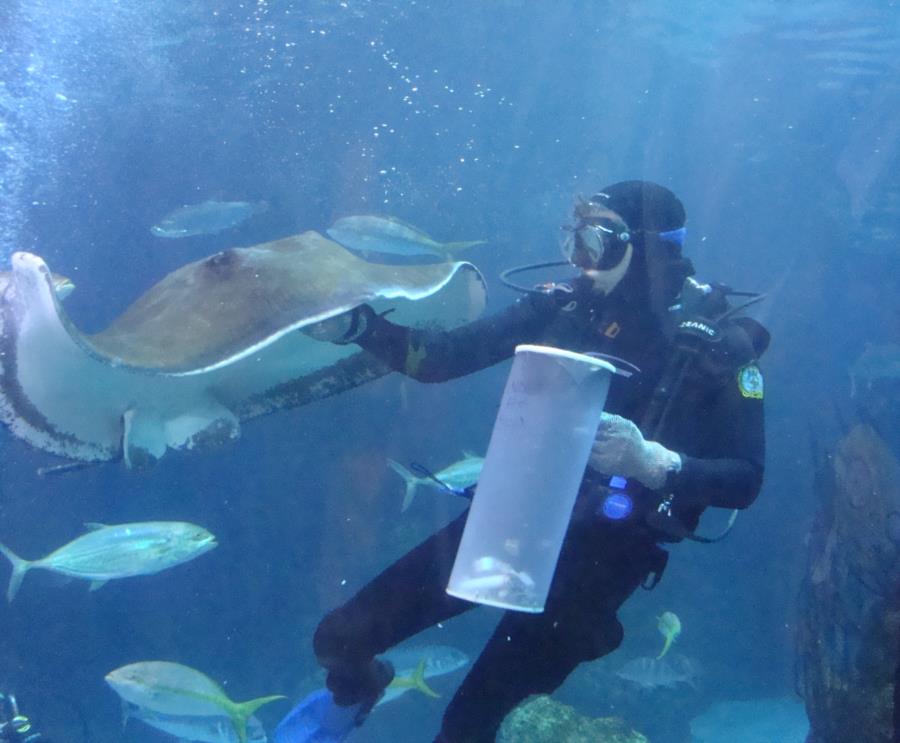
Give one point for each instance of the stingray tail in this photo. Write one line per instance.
(19, 568)
(464, 245)
(411, 480)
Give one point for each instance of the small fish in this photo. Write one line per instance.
(164, 690)
(495, 579)
(482, 583)
(119, 551)
(202, 729)
(670, 626)
(651, 673)
(403, 682)
(439, 659)
(457, 477)
(62, 285)
(415, 663)
(390, 236)
(207, 218)
(491, 565)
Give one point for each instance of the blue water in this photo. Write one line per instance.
(777, 124)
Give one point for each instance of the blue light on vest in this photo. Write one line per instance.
(617, 506)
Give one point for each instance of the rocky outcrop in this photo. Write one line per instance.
(541, 720)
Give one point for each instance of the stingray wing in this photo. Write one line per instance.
(214, 342)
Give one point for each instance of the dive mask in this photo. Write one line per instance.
(596, 243)
(599, 238)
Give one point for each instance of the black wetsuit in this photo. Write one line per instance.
(714, 422)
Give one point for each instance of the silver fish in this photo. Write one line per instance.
(180, 696)
(118, 551)
(207, 218)
(652, 673)
(438, 660)
(390, 236)
(456, 476)
(197, 728)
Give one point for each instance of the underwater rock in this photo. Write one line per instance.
(660, 696)
(541, 720)
(849, 609)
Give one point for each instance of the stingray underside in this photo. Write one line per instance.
(213, 343)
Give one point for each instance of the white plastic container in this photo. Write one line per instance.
(535, 461)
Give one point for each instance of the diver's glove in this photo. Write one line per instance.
(348, 327)
(620, 449)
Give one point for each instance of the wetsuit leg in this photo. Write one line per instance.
(534, 653)
(406, 598)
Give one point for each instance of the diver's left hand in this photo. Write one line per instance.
(330, 330)
(621, 449)
(342, 329)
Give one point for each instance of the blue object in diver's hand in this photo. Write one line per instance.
(318, 719)
(466, 492)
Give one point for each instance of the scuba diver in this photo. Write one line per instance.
(682, 432)
(14, 726)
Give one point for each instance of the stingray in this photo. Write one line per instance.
(214, 343)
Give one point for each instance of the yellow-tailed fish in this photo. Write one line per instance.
(455, 477)
(171, 689)
(390, 236)
(207, 218)
(416, 680)
(670, 626)
(416, 663)
(108, 552)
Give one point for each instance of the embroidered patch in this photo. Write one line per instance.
(414, 358)
(750, 381)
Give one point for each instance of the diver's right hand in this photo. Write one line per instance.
(342, 329)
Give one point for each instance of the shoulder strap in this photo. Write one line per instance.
(758, 335)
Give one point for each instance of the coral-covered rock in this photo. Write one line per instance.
(541, 720)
